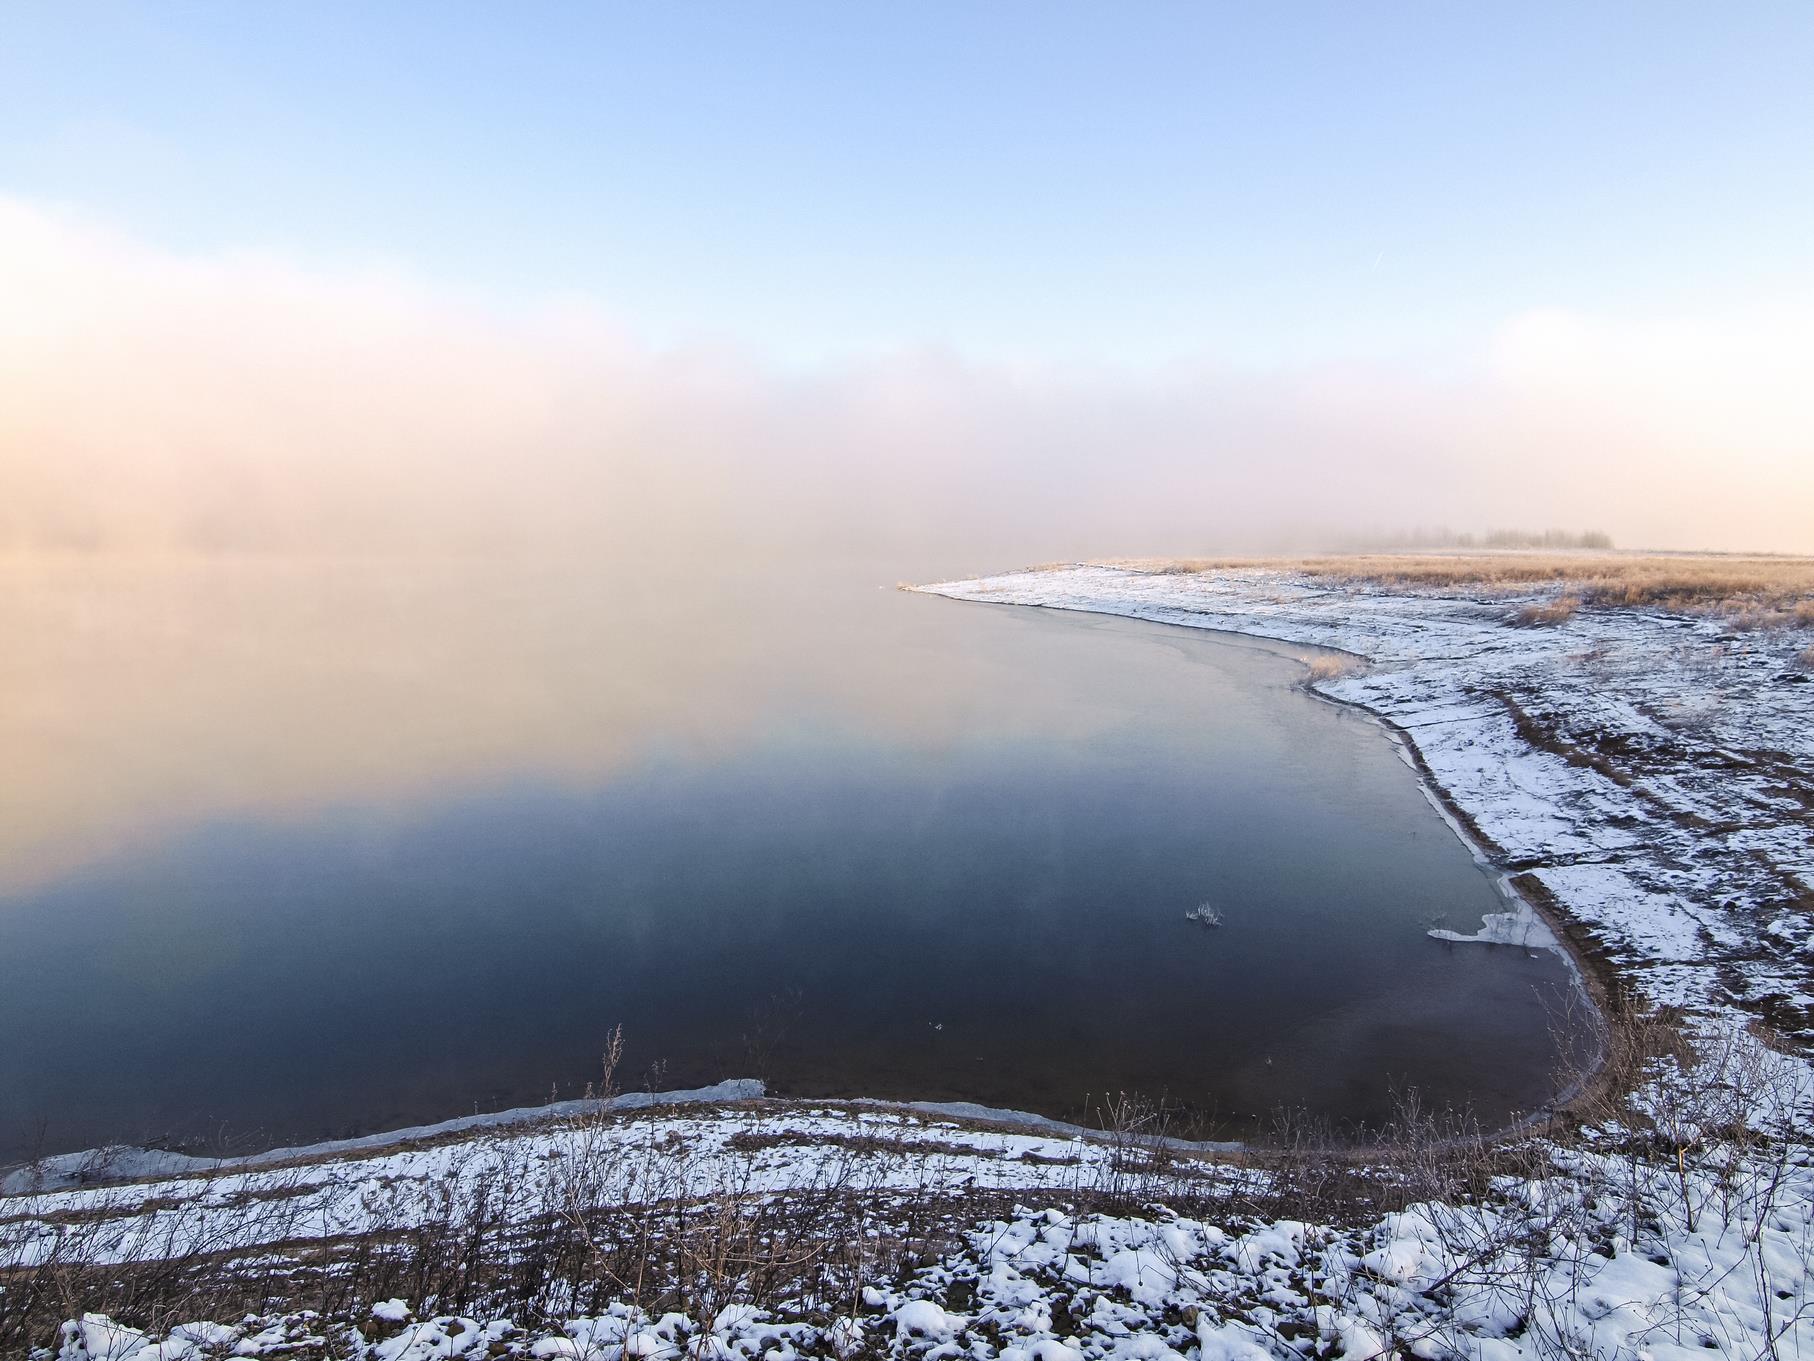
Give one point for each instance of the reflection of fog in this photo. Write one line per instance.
(137, 695)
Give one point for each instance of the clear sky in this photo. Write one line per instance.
(1100, 183)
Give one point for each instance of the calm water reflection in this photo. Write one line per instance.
(292, 850)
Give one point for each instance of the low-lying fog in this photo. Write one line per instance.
(156, 401)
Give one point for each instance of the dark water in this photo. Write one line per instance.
(293, 851)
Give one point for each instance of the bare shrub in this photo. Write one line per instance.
(1312, 1172)
(1143, 1165)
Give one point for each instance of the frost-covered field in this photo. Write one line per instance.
(1647, 777)
(1652, 773)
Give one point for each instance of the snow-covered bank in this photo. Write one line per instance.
(1686, 1231)
(116, 1164)
(1648, 774)
(758, 1147)
(1595, 1255)
(128, 1162)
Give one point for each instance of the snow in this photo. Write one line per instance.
(101, 1339)
(122, 1162)
(923, 1317)
(380, 1190)
(1228, 1342)
(125, 1164)
(1521, 926)
(1720, 1262)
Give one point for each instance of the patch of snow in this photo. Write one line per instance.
(1521, 926)
(922, 1317)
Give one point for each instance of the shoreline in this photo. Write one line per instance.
(1260, 608)
(123, 1164)
(1629, 777)
(1598, 985)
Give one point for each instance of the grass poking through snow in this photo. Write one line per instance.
(1751, 592)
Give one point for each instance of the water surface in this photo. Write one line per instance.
(292, 850)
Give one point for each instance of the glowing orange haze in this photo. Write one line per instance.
(155, 404)
(150, 401)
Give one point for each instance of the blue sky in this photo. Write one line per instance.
(1118, 185)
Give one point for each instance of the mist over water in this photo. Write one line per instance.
(246, 404)
(148, 692)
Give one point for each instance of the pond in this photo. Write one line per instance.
(293, 850)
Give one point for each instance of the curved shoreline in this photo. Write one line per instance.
(1637, 779)
(123, 1165)
(120, 1164)
(1637, 914)
(1597, 982)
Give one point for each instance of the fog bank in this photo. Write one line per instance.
(156, 401)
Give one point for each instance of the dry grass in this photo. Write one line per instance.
(1547, 613)
(1186, 567)
(1750, 591)
(631, 1211)
(1333, 667)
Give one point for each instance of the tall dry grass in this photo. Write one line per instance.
(1749, 591)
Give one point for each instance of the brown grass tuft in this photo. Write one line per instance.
(1547, 613)
(1332, 667)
